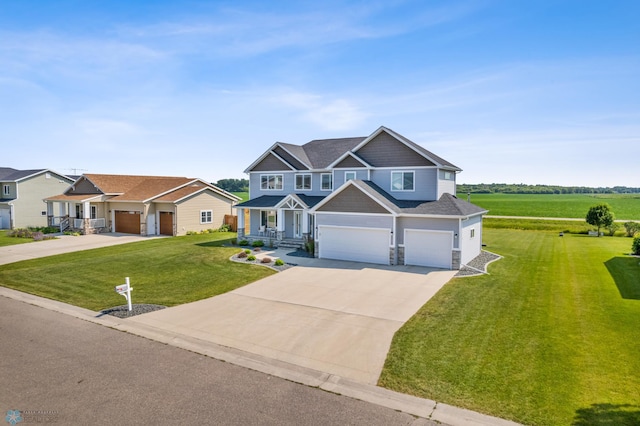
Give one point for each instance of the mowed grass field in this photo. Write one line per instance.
(550, 337)
(167, 271)
(624, 206)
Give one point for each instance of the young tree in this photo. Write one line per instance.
(631, 228)
(635, 246)
(599, 216)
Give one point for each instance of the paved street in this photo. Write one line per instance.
(77, 372)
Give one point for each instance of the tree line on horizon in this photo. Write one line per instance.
(521, 188)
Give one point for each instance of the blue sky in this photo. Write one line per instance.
(538, 92)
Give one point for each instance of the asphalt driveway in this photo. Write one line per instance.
(331, 316)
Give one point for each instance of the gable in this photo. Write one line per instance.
(349, 162)
(385, 150)
(270, 163)
(352, 200)
(289, 158)
(82, 186)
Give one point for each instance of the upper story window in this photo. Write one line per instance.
(326, 181)
(303, 182)
(349, 176)
(271, 182)
(6, 190)
(206, 216)
(402, 181)
(448, 176)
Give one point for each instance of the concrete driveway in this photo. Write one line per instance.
(331, 316)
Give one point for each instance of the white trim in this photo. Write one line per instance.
(295, 181)
(265, 154)
(210, 217)
(342, 188)
(321, 183)
(272, 189)
(290, 153)
(355, 175)
(355, 214)
(350, 153)
(403, 190)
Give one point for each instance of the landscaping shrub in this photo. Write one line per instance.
(611, 229)
(279, 262)
(631, 228)
(247, 251)
(242, 255)
(224, 228)
(258, 243)
(266, 260)
(310, 246)
(192, 232)
(252, 257)
(635, 247)
(243, 243)
(44, 229)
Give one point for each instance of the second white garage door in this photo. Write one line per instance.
(428, 248)
(357, 244)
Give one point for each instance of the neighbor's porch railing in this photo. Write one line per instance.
(93, 223)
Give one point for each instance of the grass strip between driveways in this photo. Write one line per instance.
(550, 337)
(167, 271)
(9, 241)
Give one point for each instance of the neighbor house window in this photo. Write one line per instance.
(6, 190)
(94, 212)
(473, 233)
(206, 216)
(402, 181)
(448, 175)
(349, 176)
(271, 182)
(303, 182)
(326, 180)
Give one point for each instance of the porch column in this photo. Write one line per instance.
(86, 217)
(240, 229)
(280, 224)
(50, 218)
(305, 226)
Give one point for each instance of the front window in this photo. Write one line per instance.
(402, 181)
(6, 190)
(271, 182)
(206, 216)
(327, 181)
(268, 218)
(303, 182)
(349, 176)
(94, 212)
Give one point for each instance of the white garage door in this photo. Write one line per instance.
(357, 244)
(428, 248)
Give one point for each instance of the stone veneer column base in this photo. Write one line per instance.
(400, 255)
(456, 257)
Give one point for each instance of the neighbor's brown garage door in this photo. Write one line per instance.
(166, 223)
(128, 222)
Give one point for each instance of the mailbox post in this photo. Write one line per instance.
(125, 290)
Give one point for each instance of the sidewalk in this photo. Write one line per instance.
(420, 407)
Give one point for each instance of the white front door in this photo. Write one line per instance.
(297, 224)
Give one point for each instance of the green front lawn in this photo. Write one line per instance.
(167, 271)
(551, 337)
(9, 241)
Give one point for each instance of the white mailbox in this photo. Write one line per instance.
(125, 290)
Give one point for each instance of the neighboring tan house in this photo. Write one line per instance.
(146, 205)
(379, 199)
(21, 204)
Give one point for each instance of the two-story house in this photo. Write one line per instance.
(23, 192)
(379, 199)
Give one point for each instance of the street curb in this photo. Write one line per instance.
(421, 407)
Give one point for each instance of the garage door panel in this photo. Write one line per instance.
(127, 222)
(428, 248)
(355, 244)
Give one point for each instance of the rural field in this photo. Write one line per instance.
(624, 206)
(550, 337)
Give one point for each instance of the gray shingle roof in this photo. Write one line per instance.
(422, 150)
(447, 205)
(262, 201)
(9, 174)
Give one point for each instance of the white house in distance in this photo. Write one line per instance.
(379, 198)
